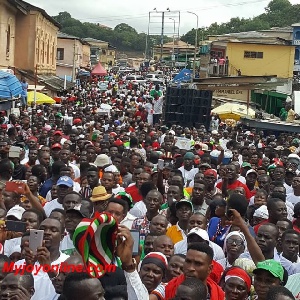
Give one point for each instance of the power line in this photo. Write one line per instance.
(127, 17)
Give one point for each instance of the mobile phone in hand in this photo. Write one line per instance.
(136, 237)
(16, 187)
(16, 226)
(229, 214)
(160, 164)
(35, 239)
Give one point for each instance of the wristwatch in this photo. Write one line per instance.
(131, 267)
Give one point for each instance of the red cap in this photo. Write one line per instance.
(77, 121)
(57, 132)
(56, 145)
(4, 126)
(113, 134)
(211, 172)
(156, 145)
(32, 138)
(118, 142)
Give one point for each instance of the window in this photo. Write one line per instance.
(252, 54)
(8, 40)
(60, 53)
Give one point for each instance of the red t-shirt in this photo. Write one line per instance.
(133, 191)
(216, 293)
(234, 185)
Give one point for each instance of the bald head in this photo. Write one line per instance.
(164, 245)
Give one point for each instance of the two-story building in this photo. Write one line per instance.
(8, 13)
(28, 42)
(296, 43)
(73, 53)
(254, 54)
(181, 51)
(102, 52)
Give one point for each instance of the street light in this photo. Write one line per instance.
(173, 40)
(196, 43)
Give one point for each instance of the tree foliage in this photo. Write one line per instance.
(123, 36)
(278, 13)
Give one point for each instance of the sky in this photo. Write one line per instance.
(136, 12)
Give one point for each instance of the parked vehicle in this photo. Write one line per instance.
(155, 78)
(136, 79)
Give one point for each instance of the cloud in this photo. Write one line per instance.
(135, 13)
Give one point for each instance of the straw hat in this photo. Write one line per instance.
(100, 194)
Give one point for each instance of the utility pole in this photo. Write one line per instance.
(162, 35)
(173, 49)
(196, 44)
(74, 61)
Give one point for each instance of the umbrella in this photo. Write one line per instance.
(40, 98)
(233, 111)
(10, 86)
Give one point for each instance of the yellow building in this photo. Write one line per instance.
(176, 47)
(252, 54)
(260, 59)
(102, 52)
(7, 34)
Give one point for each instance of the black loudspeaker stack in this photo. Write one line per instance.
(187, 107)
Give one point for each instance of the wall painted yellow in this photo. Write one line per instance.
(7, 34)
(277, 60)
(36, 42)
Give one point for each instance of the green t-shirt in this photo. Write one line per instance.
(155, 93)
(283, 114)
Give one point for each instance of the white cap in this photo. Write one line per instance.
(200, 232)
(16, 211)
(112, 169)
(262, 212)
(214, 132)
(251, 171)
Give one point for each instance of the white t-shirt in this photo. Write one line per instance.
(49, 206)
(118, 189)
(9, 245)
(292, 198)
(181, 248)
(188, 175)
(66, 244)
(139, 209)
(44, 289)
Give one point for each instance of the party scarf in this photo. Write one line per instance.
(95, 241)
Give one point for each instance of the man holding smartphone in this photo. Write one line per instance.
(47, 255)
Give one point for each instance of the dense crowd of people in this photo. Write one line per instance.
(130, 210)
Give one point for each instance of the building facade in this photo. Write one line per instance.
(102, 52)
(35, 39)
(296, 43)
(7, 34)
(72, 54)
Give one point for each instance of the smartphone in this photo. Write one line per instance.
(229, 214)
(16, 226)
(106, 137)
(35, 239)
(160, 164)
(136, 245)
(16, 187)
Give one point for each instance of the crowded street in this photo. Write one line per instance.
(162, 165)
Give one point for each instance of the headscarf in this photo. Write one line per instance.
(235, 272)
(237, 233)
(156, 258)
(95, 241)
